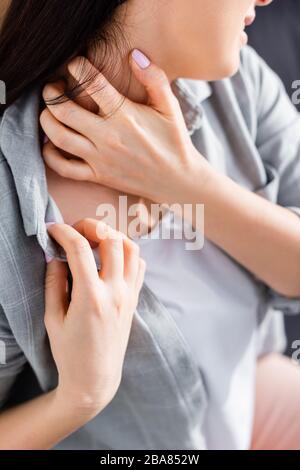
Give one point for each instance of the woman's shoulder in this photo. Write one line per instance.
(23, 189)
(250, 59)
(262, 83)
(253, 64)
(259, 94)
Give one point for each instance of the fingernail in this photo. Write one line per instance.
(48, 258)
(142, 61)
(46, 139)
(48, 224)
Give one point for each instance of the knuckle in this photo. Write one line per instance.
(114, 141)
(44, 116)
(61, 139)
(162, 76)
(80, 245)
(95, 305)
(158, 75)
(115, 236)
(102, 230)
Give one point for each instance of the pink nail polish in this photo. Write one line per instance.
(142, 61)
(48, 224)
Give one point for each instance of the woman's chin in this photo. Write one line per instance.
(225, 67)
(227, 70)
(232, 66)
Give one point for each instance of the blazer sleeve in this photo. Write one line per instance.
(277, 137)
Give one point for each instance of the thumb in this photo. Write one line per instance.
(156, 82)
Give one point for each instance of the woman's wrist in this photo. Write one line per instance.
(190, 183)
(79, 408)
(41, 423)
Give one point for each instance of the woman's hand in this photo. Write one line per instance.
(141, 149)
(89, 335)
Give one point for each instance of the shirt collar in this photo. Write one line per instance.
(21, 147)
(191, 94)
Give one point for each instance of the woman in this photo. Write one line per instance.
(222, 147)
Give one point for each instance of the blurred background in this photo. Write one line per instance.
(276, 37)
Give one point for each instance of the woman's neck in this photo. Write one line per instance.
(141, 29)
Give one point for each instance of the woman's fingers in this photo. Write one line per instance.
(63, 137)
(56, 291)
(156, 82)
(111, 249)
(77, 170)
(98, 87)
(153, 78)
(132, 258)
(119, 255)
(70, 113)
(79, 254)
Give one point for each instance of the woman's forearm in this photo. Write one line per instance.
(39, 424)
(260, 235)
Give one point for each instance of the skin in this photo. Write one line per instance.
(199, 42)
(210, 50)
(271, 233)
(144, 23)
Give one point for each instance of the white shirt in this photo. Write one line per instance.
(219, 323)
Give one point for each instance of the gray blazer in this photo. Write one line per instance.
(162, 398)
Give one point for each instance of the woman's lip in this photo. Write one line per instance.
(249, 20)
